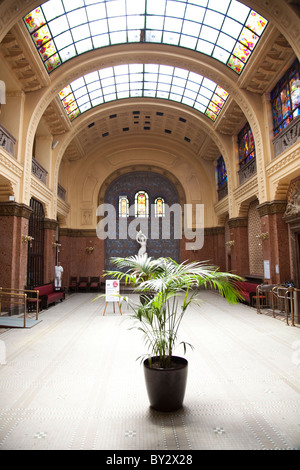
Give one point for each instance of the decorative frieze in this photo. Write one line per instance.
(287, 137)
(247, 171)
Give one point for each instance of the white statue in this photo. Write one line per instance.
(142, 240)
(58, 274)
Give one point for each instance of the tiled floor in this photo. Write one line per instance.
(73, 382)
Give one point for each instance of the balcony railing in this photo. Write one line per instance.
(247, 170)
(287, 137)
(61, 192)
(7, 141)
(38, 171)
(222, 191)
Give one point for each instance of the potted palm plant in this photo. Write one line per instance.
(166, 290)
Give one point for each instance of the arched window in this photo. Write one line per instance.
(123, 206)
(286, 98)
(221, 178)
(246, 145)
(141, 204)
(159, 205)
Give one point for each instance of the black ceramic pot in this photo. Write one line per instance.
(166, 387)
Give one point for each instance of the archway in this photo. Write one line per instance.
(162, 232)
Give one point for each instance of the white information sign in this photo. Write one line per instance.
(112, 290)
(267, 274)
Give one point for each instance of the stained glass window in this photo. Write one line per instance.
(159, 205)
(123, 206)
(143, 80)
(221, 172)
(246, 145)
(141, 204)
(226, 30)
(286, 98)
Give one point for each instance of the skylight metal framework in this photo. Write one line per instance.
(143, 80)
(223, 29)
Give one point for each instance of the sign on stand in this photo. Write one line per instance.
(112, 291)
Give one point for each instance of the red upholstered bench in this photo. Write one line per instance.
(48, 295)
(247, 290)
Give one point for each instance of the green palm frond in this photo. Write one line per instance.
(159, 315)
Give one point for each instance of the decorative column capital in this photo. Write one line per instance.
(15, 209)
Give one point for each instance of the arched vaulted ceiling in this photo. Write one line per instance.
(142, 113)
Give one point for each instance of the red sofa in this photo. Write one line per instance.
(247, 290)
(48, 295)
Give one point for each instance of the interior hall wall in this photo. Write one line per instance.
(73, 255)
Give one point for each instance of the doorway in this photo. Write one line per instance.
(35, 262)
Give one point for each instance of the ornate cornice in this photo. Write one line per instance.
(70, 232)
(9, 209)
(272, 207)
(50, 224)
(238, 222)
(214, 231)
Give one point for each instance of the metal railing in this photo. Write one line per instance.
(16, 295)
(283, 299)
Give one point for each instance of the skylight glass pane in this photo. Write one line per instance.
(205, 47)
(99, 26)
(194, 24)
(232, 28)
(238, 11)
(226, 42)
(213, 19)
(209, 34)
(221, 55)
(156, 8)
(175, 9)
(63, 40)
(191, 28)
(72, 4)
(101, 41)
(96, 12)
(219, 5)
(148, 80)
(59, 25)
(77, 17)
(68, 53)
(135, 7)
(115, 8)
(195, 13)
(53, 9)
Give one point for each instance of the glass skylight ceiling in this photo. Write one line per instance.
(223, 29)
(143, 80)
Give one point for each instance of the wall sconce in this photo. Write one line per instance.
(27, 239)
(89, 249)
(56, 245)
(263, 236)
(230, 244)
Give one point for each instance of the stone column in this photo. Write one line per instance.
(238, 228)
(50, 227)
(14, 221)
(275, 241)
